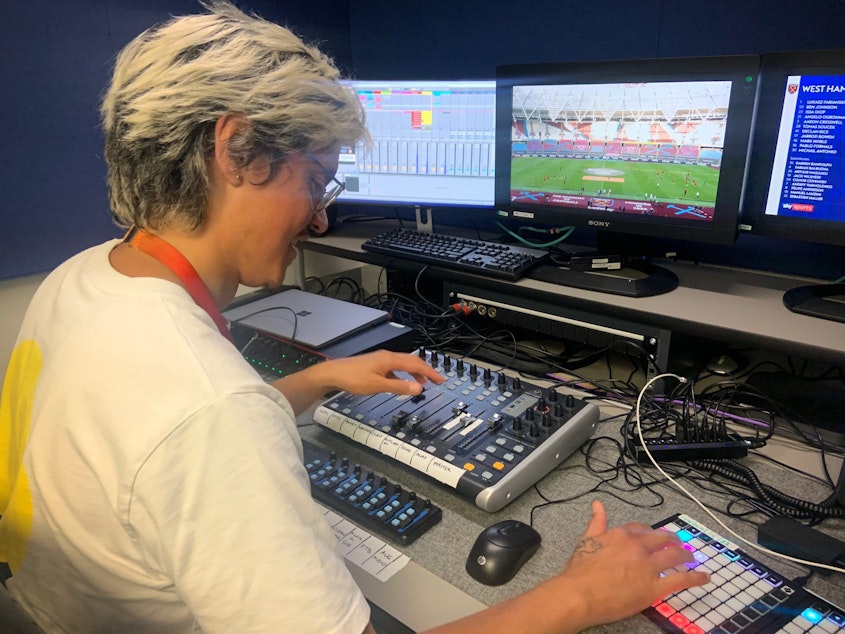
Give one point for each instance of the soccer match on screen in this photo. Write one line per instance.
(645, 149)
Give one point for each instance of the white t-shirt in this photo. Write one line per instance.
(164, 478)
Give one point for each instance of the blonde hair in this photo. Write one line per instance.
(172, 83)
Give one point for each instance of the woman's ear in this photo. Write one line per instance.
(226, 128)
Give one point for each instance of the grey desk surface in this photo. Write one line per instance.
(725, 304)
(436, 587)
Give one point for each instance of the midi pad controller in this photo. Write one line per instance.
(487, 435)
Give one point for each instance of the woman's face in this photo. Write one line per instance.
(279, 214)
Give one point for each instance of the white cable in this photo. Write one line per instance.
(696, 500)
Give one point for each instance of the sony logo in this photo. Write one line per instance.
(598, 223)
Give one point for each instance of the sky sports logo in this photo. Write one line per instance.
(798, 207)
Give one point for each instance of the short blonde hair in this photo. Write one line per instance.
(172, 83)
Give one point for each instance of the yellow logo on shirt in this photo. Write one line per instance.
(15, 418)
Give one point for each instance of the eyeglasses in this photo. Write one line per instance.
(333, 190)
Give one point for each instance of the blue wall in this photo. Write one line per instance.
(55, 59)
(55, 62)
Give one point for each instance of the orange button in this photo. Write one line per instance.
(469, 466)
(498, 466)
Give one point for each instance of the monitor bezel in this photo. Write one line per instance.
(774, 70)
(741, 70)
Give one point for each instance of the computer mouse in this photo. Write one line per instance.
(500, 550)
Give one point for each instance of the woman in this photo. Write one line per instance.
(154, 482)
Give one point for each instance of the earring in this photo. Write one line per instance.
(238, 177)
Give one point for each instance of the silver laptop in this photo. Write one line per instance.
(312, 320)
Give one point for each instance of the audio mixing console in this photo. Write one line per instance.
(485, 434)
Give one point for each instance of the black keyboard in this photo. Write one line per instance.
(274, 358)
(504, 261)
(367, 499)
(743, 595)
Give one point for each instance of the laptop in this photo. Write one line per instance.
(312, 320)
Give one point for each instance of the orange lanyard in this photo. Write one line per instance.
(168, 255)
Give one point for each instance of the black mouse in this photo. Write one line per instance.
(501, 550)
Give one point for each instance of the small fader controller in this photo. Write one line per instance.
(487, 435)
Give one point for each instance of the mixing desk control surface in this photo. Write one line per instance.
(485, 434)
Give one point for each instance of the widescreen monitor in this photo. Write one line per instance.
(653, 147)
(796, 184)
(433, 144)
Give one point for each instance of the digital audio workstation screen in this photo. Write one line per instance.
(433, 143)
(651, 149)
(809, 167)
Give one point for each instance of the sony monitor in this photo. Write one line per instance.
(654, 147)
(432, 144)
(796, 182)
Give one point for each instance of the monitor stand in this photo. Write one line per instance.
(425, 222)
(634, 280)
(618, 264)
(826, 301)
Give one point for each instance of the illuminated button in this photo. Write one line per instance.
(812, 615)
(665, 609)
(469, 466)
(679, 620)
(683, 535)
(498, 466)
(692, 628)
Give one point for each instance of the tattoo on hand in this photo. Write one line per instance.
(587, 546)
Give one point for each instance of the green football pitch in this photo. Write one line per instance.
(618, 179)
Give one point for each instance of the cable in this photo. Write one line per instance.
(696, 500)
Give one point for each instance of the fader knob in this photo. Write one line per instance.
(534, 431)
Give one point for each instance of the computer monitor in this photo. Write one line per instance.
(433, 144)
(654, 148)
(796, 183)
